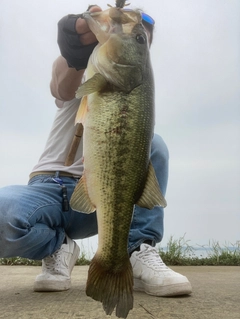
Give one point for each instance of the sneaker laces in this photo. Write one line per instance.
(52, 262)
(151, 258)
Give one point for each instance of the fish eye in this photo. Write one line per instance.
(140, 38)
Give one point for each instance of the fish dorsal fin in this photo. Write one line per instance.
(80, 200)
(152, 195)
(81, 113)
(94, 84)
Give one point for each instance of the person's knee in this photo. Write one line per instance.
(11, 219)
(11, 223)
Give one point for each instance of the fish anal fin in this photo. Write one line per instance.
(81, 113)
(94, 84)
(112, 287)
(152, 195)
(80, 200)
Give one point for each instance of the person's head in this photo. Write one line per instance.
(148, 23)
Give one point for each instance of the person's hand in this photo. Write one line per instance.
(76, 41)
(86, 35)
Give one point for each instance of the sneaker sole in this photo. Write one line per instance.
(76, 252)
(184, 288)
(53, 285)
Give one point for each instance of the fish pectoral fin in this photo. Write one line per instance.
(80, 200)
(82, 111)
(152, 195)
(94, 84)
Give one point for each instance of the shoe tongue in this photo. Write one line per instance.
(144, 247)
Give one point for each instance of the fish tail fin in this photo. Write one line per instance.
(114, 288)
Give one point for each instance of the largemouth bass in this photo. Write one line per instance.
(117, 112)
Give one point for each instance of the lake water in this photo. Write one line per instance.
(88, 246)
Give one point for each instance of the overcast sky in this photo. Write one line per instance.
(196, 60)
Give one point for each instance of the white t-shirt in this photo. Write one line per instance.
(59, 142)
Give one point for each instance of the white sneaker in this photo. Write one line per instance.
(152, 276)
(57, 268)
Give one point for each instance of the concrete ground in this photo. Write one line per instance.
(216, 295)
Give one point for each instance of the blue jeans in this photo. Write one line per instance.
(33, 224)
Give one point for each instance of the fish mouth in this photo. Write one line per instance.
(122, 65)
(111, 21)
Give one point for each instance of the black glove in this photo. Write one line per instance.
(72, 50)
